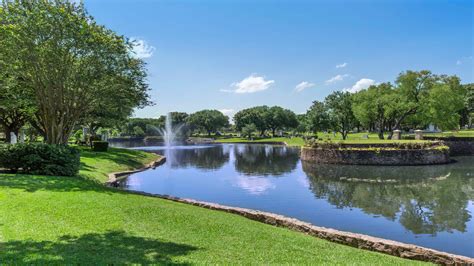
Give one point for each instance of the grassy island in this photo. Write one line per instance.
(48, 219)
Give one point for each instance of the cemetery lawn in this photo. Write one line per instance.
(77, 220)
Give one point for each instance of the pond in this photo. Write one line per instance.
(430, 206)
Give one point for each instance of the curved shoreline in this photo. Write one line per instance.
(390, 247)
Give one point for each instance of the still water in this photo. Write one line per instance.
(431, 206)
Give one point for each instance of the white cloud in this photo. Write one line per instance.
(304, 85)
(342, 65)
(227, 112)
(464, 60)
(142, 49)
(336, 78)
(250, 84)
(360, 85)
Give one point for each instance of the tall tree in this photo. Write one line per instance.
(341, 117)
(255, 115)
(16, 104)
(277, 118)
(467, 112)
(69, 61)
(208, 120)
(317, 117)
(370, 107)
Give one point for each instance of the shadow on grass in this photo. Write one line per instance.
(115, 247)
(32, 183)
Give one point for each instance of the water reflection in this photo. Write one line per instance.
(425, 200)
(265, 159)
(203, 157)
(426, 205)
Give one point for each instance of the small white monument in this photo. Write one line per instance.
(418, 134)
(397, 134)
(13, 139)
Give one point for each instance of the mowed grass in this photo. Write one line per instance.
(76, 220)
(354, 138)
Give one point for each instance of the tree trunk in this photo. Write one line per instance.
(381, 133)
(273, 132)
(8, 137)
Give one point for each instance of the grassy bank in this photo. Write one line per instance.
(297, 141)
(57, 220)
(353, 138)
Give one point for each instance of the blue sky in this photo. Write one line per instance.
(230, 55)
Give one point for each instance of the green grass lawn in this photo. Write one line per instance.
(297, 141)
(353, 138)
(57, 220)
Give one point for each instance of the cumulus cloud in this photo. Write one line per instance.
(250, 84)
(336, 79)
(303, 85)
(362, 84)
(141, 49)
(341, 65)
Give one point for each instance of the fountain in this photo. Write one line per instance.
(168, 132)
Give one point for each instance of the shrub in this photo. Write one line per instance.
(40, 159)
(100, 146)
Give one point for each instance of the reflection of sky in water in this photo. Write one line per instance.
(430, 206)
(254, 185)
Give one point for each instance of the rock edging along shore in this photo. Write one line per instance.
(361, 241)
(376, 156)
(115, 177)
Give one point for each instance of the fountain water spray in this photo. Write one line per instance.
(169, 133)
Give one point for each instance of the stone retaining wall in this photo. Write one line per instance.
(458, 146)
(361, 241)
(376, 156)
(114, 178)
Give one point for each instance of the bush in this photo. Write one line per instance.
(100, 146)
(40, 159)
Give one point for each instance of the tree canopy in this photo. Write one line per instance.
(208, 120)
(76, 69)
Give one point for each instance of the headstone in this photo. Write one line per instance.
(13, 139)
(366, 136)
(418, 134)
(397, 134)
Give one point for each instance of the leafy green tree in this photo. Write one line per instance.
(370, 107)
(277, 118)
(341, 117)
(255, 115)
(317, 117)
(248, 130)
(467, 112)
(208, 120)
(71, 63)
(16, 105)
(444, 106)
(138, 132)
(412, 91)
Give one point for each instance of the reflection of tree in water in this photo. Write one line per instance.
(425, 199)
(210, 158)
(265, 159)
